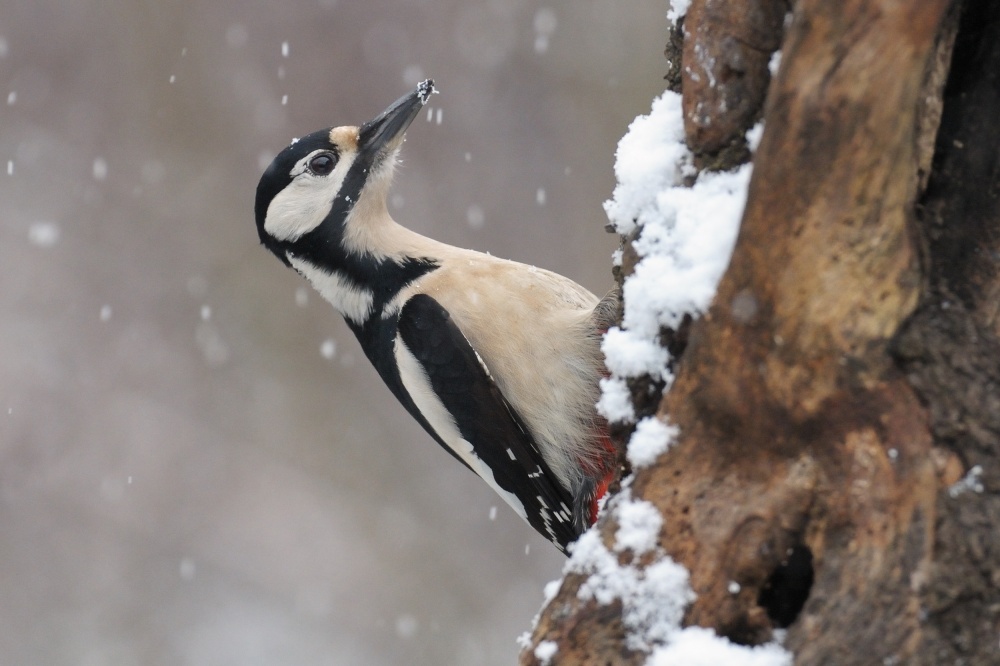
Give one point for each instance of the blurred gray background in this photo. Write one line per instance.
(197, 466)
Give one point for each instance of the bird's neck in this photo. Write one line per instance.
(370, 265)
(382, 238)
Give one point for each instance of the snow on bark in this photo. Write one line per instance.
(687, 225)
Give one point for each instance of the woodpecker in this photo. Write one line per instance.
(498, 361)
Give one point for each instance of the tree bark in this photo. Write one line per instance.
(839, 404)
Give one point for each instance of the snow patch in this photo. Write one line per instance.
(628, 354)
(685, 246)
(653, 598)
(551, 589)
(678, 9)
(651, 439)
(688, 223)
(639, 524)
(698, 646)
(650, 158)
(753, 136)
(616, 401)
(774, 63)
(545, 651)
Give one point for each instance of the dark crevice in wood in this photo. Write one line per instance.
(950, 351)
(961, 206)
(787, 588)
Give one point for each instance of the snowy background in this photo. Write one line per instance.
(196, 464)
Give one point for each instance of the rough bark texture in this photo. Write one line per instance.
(727, 47)
(951, 352)
(848, 372)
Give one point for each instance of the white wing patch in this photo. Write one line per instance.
(306, 201)
(353, 303)
(415, 382)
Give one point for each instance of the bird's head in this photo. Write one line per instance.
(323, 189)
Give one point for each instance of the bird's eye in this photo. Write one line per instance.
(322, 164)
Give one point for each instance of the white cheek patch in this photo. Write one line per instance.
(353, 303)
(415, 381)
(306, 201)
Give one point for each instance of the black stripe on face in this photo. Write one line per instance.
(323, 246)
(278, 176)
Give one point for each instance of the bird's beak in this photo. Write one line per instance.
(385, 132)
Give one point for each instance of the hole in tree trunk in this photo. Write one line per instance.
(787, 588)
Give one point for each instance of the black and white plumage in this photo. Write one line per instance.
(497, 360)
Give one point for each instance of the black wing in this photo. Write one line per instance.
(460, 378)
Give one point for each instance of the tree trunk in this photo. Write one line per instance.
(837, 470)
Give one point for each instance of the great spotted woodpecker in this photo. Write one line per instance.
(497, 360)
